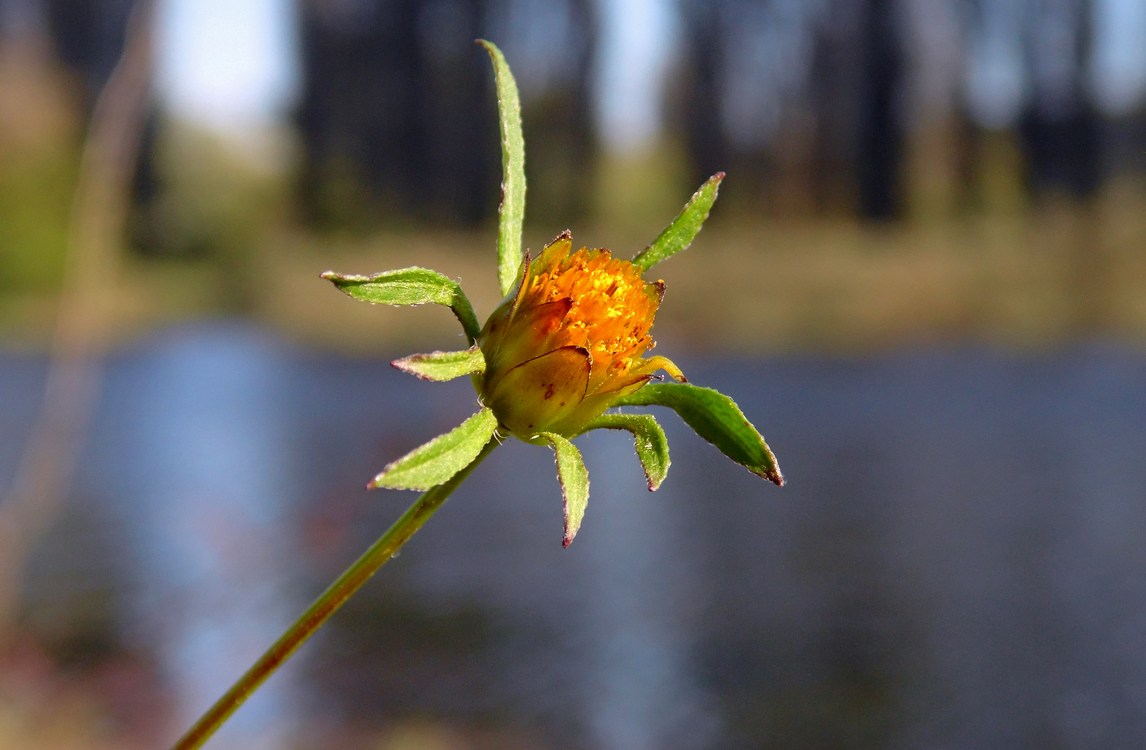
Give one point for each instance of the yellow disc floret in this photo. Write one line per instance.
(569, 341)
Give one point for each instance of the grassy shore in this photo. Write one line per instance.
(1056, 273)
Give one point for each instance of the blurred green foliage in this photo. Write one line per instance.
(212, 199)
(38, 165)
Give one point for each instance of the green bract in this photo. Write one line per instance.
(558, 360)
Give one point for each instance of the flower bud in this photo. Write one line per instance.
(569, 341)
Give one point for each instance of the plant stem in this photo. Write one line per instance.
(327, 604)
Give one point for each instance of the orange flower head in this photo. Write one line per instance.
(569, 341)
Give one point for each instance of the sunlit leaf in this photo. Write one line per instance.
(410, 286)
(441, 366)
(679, 234)
(648, 438)
(574, 482)
(717, 419)
(436, 461)
(511, 213)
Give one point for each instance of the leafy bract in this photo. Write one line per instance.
(717, 419)
(574, 479)
(648, 438)
(679, 234)
(511, 212)
(410, 286)
(436, 461)
(442, 366)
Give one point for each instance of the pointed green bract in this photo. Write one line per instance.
(648, 438)
(679, 234)
(717, 419)
(574, 479)
(438, 460)
(410, 286)
(511, 212)
(442, 366)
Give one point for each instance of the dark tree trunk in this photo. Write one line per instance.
(879, 158)
(702, 88)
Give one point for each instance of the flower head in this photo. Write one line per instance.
(569, 340)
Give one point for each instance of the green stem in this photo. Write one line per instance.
(327, 604)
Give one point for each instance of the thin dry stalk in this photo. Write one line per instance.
(96, 231)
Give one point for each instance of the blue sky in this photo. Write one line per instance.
(230, 65)
(226, 64)
(1121, 60)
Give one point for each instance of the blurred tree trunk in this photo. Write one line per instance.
(88, 37)
(702, 88)
(834, 102)
(880, 148)
(561, 140)
(398, 119)
(1061, 132)
(1060, 127)
(395, 115)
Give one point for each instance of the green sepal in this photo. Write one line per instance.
(574, 479)
(679, 234)
(438, 460)
(410, 286)
(648, 438)
(442, 366)
(511, 212)
(717, 419)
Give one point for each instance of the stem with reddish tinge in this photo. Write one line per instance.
(326, 605)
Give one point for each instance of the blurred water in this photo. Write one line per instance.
(958, 559)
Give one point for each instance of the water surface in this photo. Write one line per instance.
(957, 560)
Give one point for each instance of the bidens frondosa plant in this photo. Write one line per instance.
(569, 342)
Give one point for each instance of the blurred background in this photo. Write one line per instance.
(924, 281)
